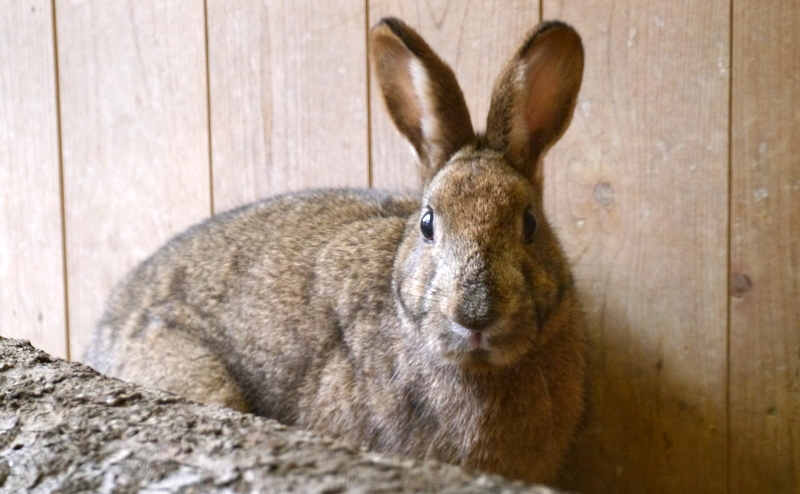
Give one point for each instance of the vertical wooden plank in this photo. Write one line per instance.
(475, 39)
(638, 189)
(135, 138)
(288, 97)
(32, 304)
(765, 249)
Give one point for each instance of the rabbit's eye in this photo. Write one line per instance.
(528, 226)
(426, 225)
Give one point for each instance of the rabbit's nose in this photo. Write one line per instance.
(472, 306)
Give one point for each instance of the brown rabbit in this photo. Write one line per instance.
(443, 325)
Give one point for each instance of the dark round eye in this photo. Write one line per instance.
(426, 225)
(528, 226)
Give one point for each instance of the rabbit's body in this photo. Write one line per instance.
(440, 326)
(232, 287)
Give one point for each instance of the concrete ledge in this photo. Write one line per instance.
(65, 428)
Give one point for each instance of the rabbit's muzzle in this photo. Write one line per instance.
(481, 325)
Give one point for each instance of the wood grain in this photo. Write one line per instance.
(475, 39)
(638, 189)
(135, 139)
(765, 250)
(32, 304)
(288, 97)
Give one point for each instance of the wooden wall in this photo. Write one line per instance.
(676, 191)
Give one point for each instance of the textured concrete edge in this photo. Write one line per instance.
(66, 428)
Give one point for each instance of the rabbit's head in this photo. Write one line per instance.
(480, 270)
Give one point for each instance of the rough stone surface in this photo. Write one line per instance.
(65, 428)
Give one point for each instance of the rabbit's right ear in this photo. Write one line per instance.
(421, 94)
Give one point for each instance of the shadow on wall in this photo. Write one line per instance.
(649, 426)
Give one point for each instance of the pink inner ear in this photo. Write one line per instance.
(394, 70)
(544, 82)
(410, 106)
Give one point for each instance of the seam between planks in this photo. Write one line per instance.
(65, 269)
(208, 112)
(369, 94)
(729, 305)
(730, 247)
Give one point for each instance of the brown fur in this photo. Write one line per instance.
(331, 310)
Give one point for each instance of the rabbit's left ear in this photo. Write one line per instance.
(421, 94)
(534, 97)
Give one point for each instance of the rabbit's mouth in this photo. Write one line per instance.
(480, 350)
(474, 340)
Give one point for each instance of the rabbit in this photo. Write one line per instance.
(442, 325)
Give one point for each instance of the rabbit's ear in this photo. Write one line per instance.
(534, 97)
(421, 94)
